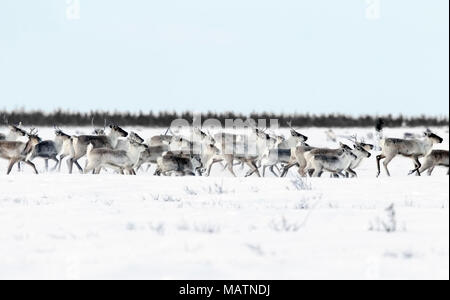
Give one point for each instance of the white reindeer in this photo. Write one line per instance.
(335, 163)
(434, 159)
(414, 149)
(178, 164)
(80, 144)
(121, 160)
(283, 153)
(16, 151)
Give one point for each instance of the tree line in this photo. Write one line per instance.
(165, 118)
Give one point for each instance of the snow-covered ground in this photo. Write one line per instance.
(144, 227)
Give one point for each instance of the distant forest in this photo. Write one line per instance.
(164, 119)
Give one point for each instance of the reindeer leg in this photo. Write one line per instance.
(317, 172)
(379, 158)
(417, 166)
(426, 166)
(273, 171)
(56, 165)
(78, 166)
(353, 173)
(70, 165)
(61, 157)
(264, 171)
(209, 165)
(89, 168)
(12, 162)
(31, 165)
(386, 163)
(46, 165)
(278, 169)
(287, 167)
(417, 161)
(253, 169)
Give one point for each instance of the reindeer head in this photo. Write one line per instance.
(16, 130)
(33, 140)
(361, 150)
(435, 139)
(367, 147)
(60, 133)
(118, 131)
(344, 147)
(295, 134)
(203, 136)
(137, 146)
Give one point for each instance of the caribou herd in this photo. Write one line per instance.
(126, 153)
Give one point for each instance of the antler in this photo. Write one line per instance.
(289, 123)
(353, 139)
(33, 131)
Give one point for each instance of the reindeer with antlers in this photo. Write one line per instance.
(15, 133)
(412, 148)
(361, 150)
(284, 152)
(16, 151)
(81, 143)
(50, 149)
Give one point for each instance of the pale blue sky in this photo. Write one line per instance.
(316, 56)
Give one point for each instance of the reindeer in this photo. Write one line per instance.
(231, 150)
(335, 163)
(14, 134)
(98, 158)
(50, 149)
(16, 151)
(210, 155)
(46, 150)
(273, 157)
(413, 149)
(361, 150)
(283, 153)
(81, 143)
(435, 158)
(301, 154)
(343, 148)
(171, 163)
(64, 143)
